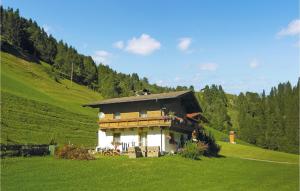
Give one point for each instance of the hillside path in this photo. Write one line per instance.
(279, 162)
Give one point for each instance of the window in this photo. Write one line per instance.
(117, 115)
(143, 139)
(171, 139)
(143, 113)
(117, 137)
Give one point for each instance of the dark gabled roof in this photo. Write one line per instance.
(160, 96)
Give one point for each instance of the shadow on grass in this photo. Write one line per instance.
(218, 156)
(6, 47)
(201, 157)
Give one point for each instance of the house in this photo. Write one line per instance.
(164, 120)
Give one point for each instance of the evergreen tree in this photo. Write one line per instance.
(214, 105)
(271, 121)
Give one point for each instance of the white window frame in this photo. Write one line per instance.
(117, 115)
(143, 114)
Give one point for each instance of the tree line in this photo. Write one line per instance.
(214, 104)
(270, 121)
(27, 36)
(114, 84)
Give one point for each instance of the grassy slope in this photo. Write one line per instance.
(245, 150)
(165, 173)
(253, 152)
(36, 108)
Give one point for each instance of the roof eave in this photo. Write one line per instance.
(99, 104)
(105, 102)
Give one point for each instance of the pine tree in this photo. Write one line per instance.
(214, 104)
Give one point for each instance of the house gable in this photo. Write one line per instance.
(147, 110)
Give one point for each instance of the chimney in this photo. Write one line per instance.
(231, 137)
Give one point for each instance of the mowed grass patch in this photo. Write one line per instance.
(35, 108)
(165, 173)
(253, 152)
(29, 121)
(35, 81)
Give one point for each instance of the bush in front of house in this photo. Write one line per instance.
(73, 152)
(208, 139)
(193, 150)
(213, 148)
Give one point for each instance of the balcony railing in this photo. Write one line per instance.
(134, 122)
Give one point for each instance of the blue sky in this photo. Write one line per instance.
(247, 45)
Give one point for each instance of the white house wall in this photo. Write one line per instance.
(154, 138)
(105, 139)
(129, 136)
(173, 147)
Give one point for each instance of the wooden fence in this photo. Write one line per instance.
(23, 150)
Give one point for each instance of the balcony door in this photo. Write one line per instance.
(143, 139)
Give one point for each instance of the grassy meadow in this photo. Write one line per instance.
(36, 108)
(164, 173)
(253, 152)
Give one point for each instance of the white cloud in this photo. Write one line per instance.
(292, 29)
(119, 44)
(254, 63)
(160, 83)
(101, 56)
(177, 79)
(144, 45)
(208, 66)
(48, 29)
(184, 43)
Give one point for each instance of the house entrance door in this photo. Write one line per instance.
(143, 139)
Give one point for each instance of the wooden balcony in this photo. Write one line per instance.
(161, 121)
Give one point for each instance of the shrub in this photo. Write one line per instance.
(213, 148)
(193, 150)
(73, 152)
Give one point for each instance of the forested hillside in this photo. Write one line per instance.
(269, 121)
(39, 103)
(30, 86)
(28, 37)
(215, 106)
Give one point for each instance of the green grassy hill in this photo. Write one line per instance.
(245, 150)
(251, 152)
(36, 108)
(164, 173)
